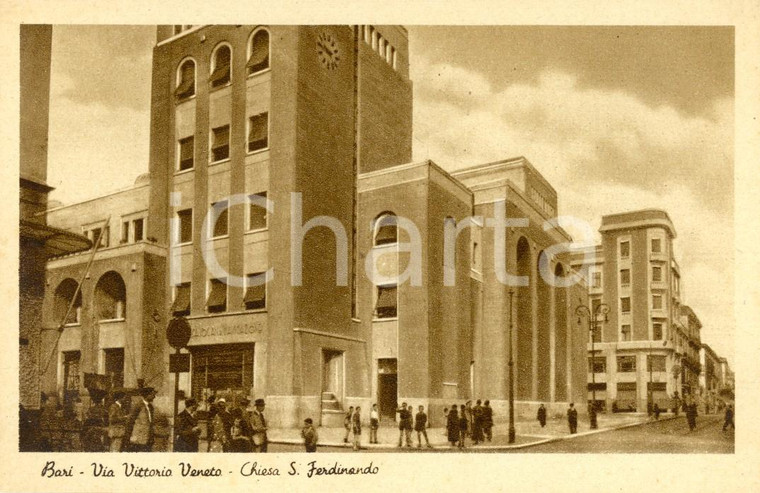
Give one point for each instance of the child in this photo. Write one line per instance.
(347, 423)
(309, 435)
(420, 425)
(374, 424)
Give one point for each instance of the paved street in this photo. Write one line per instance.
(667, 436)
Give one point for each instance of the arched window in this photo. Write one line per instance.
(185, 80)
(386, 229)
(110, 297)
(258, 48)
(220, 66)
(62, 298)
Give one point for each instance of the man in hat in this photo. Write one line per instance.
(240, 412)
(259, 426)
(117, 419)
(138, 432)
(222, 427)
(187, 429)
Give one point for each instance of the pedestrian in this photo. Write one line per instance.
(452, 426)
(239, 442)
(468, 414)
(94, 435)
(138, 431)
(729, 418)
(656, 411)
(420, 426)
(117, 419)
(445, 420)
(259, 427)
(404, 427)
(222, 427)
(572, 418)
(356, 427)
(186, 429)
(309, 434)
(692, 414)
(676, 403)
(464, 423)
(347, 423)
(487, 420)
(240, 412)
(477, 423)
(374, 424)
(541, 415)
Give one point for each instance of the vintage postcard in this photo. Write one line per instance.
(276, 249)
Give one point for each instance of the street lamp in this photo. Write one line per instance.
(511, 375)
(595, 316)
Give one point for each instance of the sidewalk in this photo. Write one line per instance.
(528, 433)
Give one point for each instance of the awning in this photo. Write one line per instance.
(218, 295)
(259, 54)
(259, 132)
(57, 241)
(186, 88)
(182, 301)
(386, 297)
(255, 297)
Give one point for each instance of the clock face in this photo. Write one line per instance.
(328, 52)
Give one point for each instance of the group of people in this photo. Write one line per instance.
(474, 422)
(233, 428)
(120, 428)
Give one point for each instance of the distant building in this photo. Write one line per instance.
(645, 351)
(710, 381)
(317, 120)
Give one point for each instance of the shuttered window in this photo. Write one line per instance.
(181, 305)
(224, 368)
(258, 132)
(220, 76)
(259, 59)
(387, 302)
(255, 295)
(217, 297)
(220, 143)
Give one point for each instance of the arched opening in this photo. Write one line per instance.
(258, 56)
(385, 229)
(110, 297)
(185, 80)
(64, 293)
(220, 66)
(544, 329)
(524, 318)
(560, 337)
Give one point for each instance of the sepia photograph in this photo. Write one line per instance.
(365, 240)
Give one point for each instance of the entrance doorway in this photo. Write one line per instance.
(332, 376)
(387, 387)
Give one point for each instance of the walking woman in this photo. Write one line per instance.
(452, 426)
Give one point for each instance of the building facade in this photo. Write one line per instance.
(317, 266)
(644, 350)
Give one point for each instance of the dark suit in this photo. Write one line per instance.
(186, 439)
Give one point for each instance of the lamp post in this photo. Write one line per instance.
(595, 316)
(511, 375)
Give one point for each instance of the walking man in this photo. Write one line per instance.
(356, 427)
(729, 419)
(138, 432)
(117, 419)
(541, 415)
(572, 418)
(347, 423)
(186, 428)
(477, 423)
(259, 427)
(464, 422)
(374, 424)
(420, 426)
(309, 435)
(487, 420)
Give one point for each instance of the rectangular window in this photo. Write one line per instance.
(255, 292)
(125, 232)
(657, 331)
(655, 363)
(258, 132)
(597, 364)
(257, 215)
(625, 249)
(596, 280)
(217, 296)
(625, 277)
(387, 302)
(186, 153)
(656, 245)
(220, 227)
(222, 368)
(71, 373)
(220, 143)
(625, 332)
(105, 240)
(181, 305)
(625, 304)
(139, 225)
(185, 233)
(656, 302)
(114, 366)
(656, 273)
(626, 364)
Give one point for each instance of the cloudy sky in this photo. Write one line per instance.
(616, 118)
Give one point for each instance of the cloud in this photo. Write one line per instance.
(605, 151)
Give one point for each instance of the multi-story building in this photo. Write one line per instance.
(316, 265)
(726, 375)
(643, 347)
(709, 377)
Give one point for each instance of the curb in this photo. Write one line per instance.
(291, 441)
